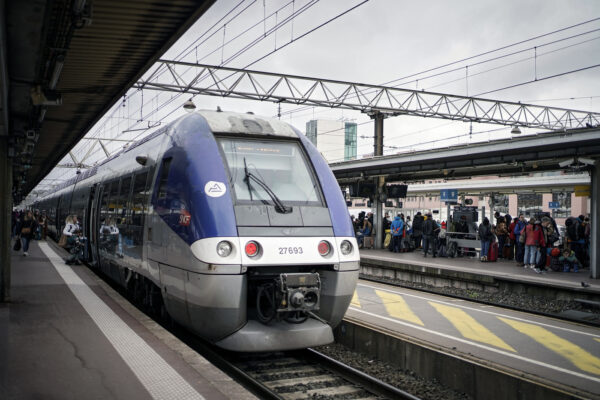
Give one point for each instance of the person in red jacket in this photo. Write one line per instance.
(534, 240)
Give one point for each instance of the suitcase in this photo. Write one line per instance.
(508, 252)
(368, 242)
(555, 264)
(493, 253)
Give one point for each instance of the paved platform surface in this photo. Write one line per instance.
(555, 353)
(501, 268)
(67, 335)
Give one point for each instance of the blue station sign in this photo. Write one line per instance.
(449, 195)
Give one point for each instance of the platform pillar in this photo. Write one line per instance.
(379, 183)
(595, 216)
(5, 218)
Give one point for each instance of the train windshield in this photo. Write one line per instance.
(280, 166)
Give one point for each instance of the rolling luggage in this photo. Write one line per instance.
(368, 242)
(493, 253)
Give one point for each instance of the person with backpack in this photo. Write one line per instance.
(576, 236)
(485, 236)
(519, 243)
(548, 234)
(397, 229)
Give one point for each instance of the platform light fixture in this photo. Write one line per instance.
(515, 130)
(189, 105)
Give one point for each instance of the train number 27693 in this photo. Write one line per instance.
(290, 250)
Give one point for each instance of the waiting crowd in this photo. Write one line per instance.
(536, 243)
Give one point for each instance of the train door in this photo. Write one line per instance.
(101, 213)
(92, 226)
(156, 228)
(58, 232)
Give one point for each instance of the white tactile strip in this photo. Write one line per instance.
(155, 374)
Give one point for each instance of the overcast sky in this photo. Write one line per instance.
(384, 40)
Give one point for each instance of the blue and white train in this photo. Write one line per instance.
(231, 224)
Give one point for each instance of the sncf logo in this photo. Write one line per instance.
(214, 189)
(184, 218)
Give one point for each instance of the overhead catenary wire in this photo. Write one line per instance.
(129, 128)
(480, 55)
(173, 98)
(296, 39)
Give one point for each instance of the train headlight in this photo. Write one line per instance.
(252, 248)
(324, 248)
(224, 248)
(346, 247)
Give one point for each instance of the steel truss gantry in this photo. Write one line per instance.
(202, 79)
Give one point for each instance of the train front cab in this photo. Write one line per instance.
(212, 200)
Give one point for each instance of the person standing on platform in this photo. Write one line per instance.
(417, 228)
(501, 232)
(397, 228)
(519, 247)
(534, 241)
(26, 230)
(485, 236)
(430, 231)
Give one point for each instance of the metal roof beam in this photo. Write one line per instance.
(203, 79)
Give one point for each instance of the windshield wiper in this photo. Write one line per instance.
(279, 206)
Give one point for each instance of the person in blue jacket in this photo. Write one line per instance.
(397, 228)
(520, 248)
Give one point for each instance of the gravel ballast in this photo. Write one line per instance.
(405, 380)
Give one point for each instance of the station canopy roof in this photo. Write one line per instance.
(66, 62)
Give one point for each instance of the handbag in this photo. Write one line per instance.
(62, 242)
(25, 231)
(17, 245)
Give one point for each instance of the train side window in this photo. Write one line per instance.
(123, 201)
(112, 198)
(139, 199)
(164, 176)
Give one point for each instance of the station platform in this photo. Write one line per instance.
(561, 356)
(470, 269)
(66, 334)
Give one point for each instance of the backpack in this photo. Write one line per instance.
(573, 228)
(523, 236)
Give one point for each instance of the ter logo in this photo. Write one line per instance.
(184, 218)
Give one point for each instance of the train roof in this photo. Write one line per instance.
(231, 122)
(218, 121)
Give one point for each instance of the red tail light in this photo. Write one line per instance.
(324, 248)
(252, 248)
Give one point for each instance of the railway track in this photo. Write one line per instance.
(308, 374)
(301, 374)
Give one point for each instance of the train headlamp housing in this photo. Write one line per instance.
(346, 247)
(224, 248)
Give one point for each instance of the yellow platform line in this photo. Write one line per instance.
(469, 327)
(396, 307)
(581, 358)
(355, 301)
(597, 339)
